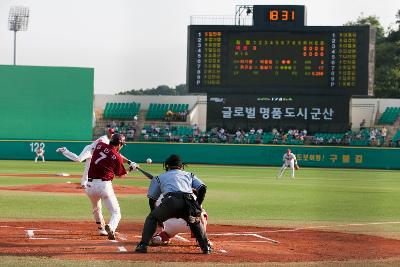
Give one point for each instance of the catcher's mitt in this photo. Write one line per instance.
(296, 167)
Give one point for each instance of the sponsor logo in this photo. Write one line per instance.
(217, 99)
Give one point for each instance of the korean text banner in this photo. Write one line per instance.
(314, 113)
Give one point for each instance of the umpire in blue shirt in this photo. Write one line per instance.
(177, 187)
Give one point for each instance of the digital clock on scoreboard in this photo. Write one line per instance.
(279, 16)
(308, 60)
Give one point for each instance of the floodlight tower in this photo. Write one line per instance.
(18, 21)
(240, 9)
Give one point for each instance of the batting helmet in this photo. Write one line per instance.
(117, 139)
(173, 162)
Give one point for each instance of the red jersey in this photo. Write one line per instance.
(106, 163)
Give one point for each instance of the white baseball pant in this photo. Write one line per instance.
(39, 155)
(99, 191)
(284, 166)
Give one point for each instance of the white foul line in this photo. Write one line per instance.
(328, 226)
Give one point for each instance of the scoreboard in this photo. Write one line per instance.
(301, 60)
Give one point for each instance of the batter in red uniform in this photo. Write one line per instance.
(106, 163)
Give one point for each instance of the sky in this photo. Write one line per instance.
(134, 44)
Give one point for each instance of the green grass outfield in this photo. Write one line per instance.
(236, 195)
(351, 200)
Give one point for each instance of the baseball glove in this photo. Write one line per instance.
(296, 167)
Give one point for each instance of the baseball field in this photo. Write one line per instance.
(330, 217)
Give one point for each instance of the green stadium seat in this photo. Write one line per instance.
(390, 115)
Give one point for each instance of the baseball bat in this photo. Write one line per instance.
(148, 175)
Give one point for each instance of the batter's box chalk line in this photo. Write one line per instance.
(30, 233)
(263, 238)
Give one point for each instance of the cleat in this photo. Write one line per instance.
(103, 232)
(207, 250)
(141, 248)
(61, 149)
(110, 233)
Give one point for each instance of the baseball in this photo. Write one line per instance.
(149, 161)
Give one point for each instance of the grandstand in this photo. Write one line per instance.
(118, 110)
(390, 115)
(380, 128)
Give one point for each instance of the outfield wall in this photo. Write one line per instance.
(269, 155)
(53, 103)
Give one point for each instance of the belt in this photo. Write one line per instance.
(177, 194)
(91, 179)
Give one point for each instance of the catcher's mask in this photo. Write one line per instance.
(173, 162)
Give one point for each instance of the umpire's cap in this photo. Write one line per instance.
(117, 139)
(173, 162)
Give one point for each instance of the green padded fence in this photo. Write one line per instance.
(262, 155)
(54, 103)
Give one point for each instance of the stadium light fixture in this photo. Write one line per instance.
(18, 21)
(240, 9)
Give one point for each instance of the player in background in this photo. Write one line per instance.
(39, 153)
(289, 160)
(106, 163)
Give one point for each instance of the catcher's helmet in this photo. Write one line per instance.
(173, 162)
(117, 139)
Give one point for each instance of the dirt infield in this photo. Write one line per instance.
(232, 244)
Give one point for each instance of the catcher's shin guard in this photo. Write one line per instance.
(201, 236)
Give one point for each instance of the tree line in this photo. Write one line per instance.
(387, 62)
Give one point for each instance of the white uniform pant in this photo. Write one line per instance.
(284, 166)
(39, 155)
(86, 154)
(175, 226)
(99, 191)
